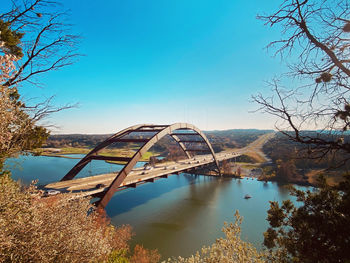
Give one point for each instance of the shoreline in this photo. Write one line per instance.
(61, 155)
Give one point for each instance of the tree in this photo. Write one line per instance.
(226, 167)
(316, 33)
(33, 40)
(239, 171)
(317, 231)
(286, 171)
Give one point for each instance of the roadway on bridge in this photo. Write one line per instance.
(99, 183)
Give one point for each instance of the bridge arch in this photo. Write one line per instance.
(159, 131)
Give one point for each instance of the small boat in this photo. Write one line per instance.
(247, 196)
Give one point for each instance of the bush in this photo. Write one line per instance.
(58, 229)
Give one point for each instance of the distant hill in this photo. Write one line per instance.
(220, 139)
(239, 131)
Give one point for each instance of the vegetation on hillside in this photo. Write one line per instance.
(58, 229)
(292, 162)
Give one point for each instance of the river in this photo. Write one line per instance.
(177, 215)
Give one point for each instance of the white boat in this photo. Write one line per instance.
(52, 192)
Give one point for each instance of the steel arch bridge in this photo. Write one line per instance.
(185, 135)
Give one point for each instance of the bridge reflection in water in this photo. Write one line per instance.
(190, 139)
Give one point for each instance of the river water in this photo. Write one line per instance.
(177, 215)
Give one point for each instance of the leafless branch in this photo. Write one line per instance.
(48, 43)
(315, 37)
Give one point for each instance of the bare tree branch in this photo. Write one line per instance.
(316, 39)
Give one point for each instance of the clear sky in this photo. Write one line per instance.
(165, 61)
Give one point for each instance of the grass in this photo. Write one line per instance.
(256, 157)
(72, 150)
(64, 150)
(106, 152)
(248, 166)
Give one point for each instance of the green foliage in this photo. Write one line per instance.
(117, 256)
(316, 231)
(11, 39)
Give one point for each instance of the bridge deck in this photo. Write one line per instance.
(96, 184)
(99, 183)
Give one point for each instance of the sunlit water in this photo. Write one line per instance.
(177, 215)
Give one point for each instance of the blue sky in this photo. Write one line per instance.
(164, 62)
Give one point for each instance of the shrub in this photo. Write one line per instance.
(54, 229)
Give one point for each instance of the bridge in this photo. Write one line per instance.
(189, 139)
